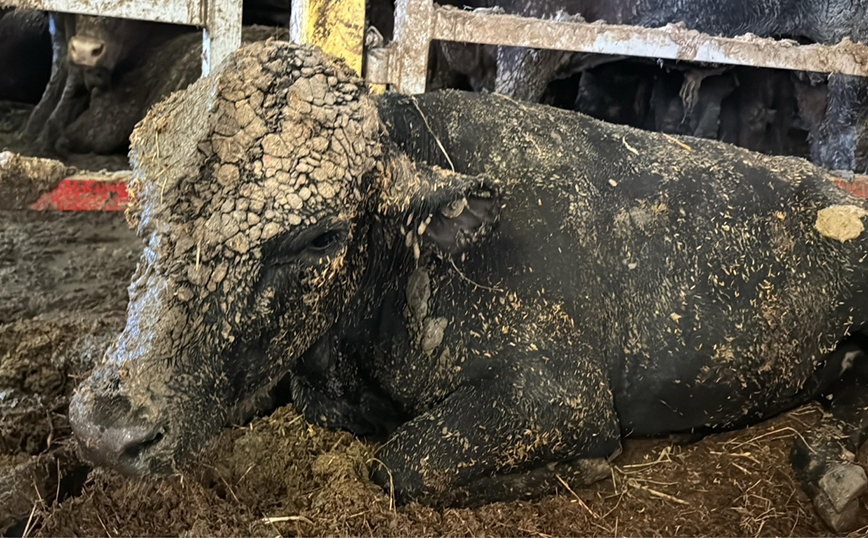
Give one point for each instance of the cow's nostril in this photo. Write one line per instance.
(136, 448)
(86, 51)
(115, 435)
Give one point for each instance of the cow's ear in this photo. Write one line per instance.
(448, 207)
(415, 187)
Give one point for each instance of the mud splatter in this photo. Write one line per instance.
(841, 222)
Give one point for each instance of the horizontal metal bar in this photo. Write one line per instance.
(170, 11)
(669, 43)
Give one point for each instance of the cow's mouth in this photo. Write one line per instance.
(263, 401)
(96, 78)
(132, 448)
(158, 438)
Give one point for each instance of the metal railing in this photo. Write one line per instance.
(338, 27)
(403, 63)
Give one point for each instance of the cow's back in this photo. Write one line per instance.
(694, 268)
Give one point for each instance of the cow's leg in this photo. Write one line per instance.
(72, 103)
(525, 484)
(365, 413)
(524, 73)
(481, 442)
(47, 104)
(692, 85)
(329, 389)
(706, 115)
(57, 83)
(840, 143)
(476, 62)
(105, 126)
(823, 457)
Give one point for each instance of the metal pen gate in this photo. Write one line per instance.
(338, 26)
(418, 22)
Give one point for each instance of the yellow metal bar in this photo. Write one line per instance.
(336, 26)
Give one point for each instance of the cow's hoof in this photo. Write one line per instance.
(836, 489)
(43, 149)
(838, 501)
(838, 498)
(830, 478)
(843, 483)
(398, 485)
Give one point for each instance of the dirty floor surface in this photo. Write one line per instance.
(63, 297)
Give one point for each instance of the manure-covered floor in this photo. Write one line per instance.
(63, 279)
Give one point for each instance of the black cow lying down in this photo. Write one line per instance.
(504, 291)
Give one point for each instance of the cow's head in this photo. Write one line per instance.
(100, 44)
(250, 191)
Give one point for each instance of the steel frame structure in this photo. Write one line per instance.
(338, 26)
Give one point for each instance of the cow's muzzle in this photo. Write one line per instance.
(86, 51)
(112, 434)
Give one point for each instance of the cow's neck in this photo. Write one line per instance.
(371, 335)
(365, 334)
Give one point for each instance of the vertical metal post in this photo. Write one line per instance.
(222, 32)
(298, 21)
(337, 27)
(413, 22)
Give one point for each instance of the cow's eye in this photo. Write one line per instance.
(306, 247)
(324, 241)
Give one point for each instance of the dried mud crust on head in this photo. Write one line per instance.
(280, 476)
(279, 125)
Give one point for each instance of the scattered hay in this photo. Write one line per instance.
(283, 477)
(279, 476)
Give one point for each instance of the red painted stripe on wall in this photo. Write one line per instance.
(85, 195)
(858, 186)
